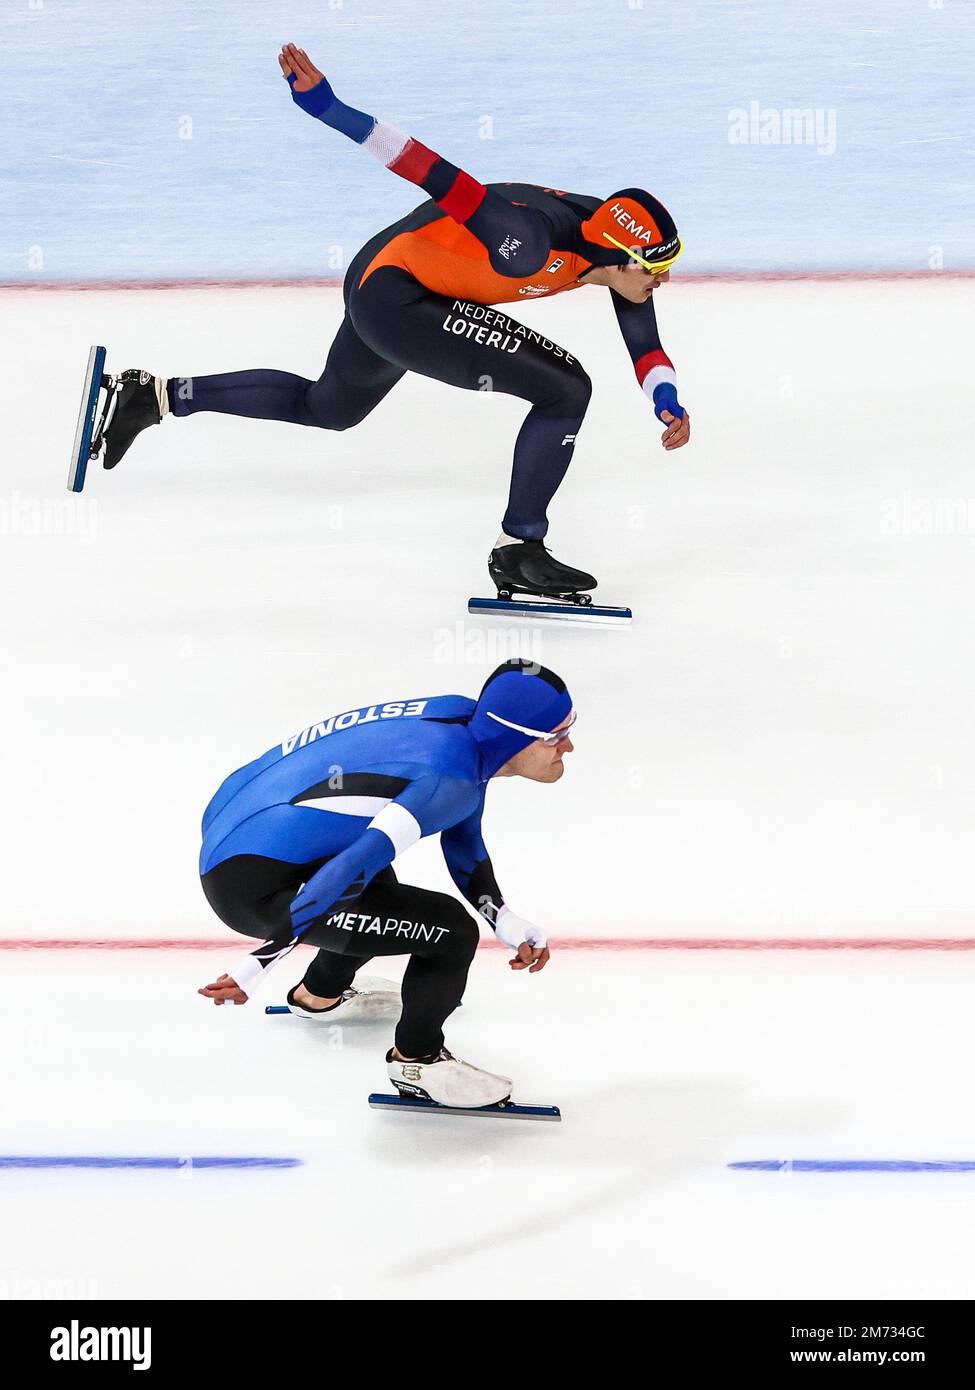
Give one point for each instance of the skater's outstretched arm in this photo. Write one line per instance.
(654, 369)
(470, 867)
(517, 238)
(427, 805)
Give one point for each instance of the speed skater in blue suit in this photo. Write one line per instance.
(299, 845)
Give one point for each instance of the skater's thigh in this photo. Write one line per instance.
(461, 343)
(395, 919)
(253, 894)
(353, 383)
(355, 362)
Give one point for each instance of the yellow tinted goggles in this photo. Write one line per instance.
(647, 265)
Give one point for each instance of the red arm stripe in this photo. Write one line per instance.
(464, 198)
(648, 361)
(414, 162)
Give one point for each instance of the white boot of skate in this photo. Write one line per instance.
(448, 1081)
(369, 1000)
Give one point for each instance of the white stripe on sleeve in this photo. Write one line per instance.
(385, 142)
(656, 377)
(400, 828)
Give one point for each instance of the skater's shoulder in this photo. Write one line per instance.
(542, 194)
(446, 737)
(446, 719)
(448, 709)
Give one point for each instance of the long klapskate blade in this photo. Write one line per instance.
(551, 611)
(379, 1100)
(86, 419)
(284, 1009)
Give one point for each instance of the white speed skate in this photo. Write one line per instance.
(369, 1000)
(446, 1080)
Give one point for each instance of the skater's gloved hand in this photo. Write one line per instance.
(678, 431)
(670, 412)
(224, 991)
(308, 86)
(524, 938)
(665, 401)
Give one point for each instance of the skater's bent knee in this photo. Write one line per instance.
(579, 391)
(463, 930)
(568, 395)
(333, 416)
(334, 405)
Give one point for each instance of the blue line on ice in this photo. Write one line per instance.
(858, 1165)
(142, 1161)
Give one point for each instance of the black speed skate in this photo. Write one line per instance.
(533, 584)
(132, 402)
(526, 567)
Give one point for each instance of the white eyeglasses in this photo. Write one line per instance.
(549, 738)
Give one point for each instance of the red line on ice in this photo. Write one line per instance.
(333, 282)
(611, 943)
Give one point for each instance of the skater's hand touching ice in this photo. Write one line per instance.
(678, 431)
(527, 940)
(224, 991)
(531, 958)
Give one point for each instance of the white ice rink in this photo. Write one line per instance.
(780, 746)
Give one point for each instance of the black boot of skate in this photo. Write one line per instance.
(526, 567)
(136, 400)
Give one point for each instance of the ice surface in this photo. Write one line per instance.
(667, 1068)
(781, 744)
(170, 147)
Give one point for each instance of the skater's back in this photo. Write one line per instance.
(350, 764)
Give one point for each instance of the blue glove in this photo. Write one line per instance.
(322, 103)
(316, 101)
(665, 399)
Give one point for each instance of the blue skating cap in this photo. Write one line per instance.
(523, 693)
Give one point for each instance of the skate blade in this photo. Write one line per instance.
(378, 1010)
(552, 610)
(389, 1011)
(383, 1012)
(86, 419)
(507, 1110)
